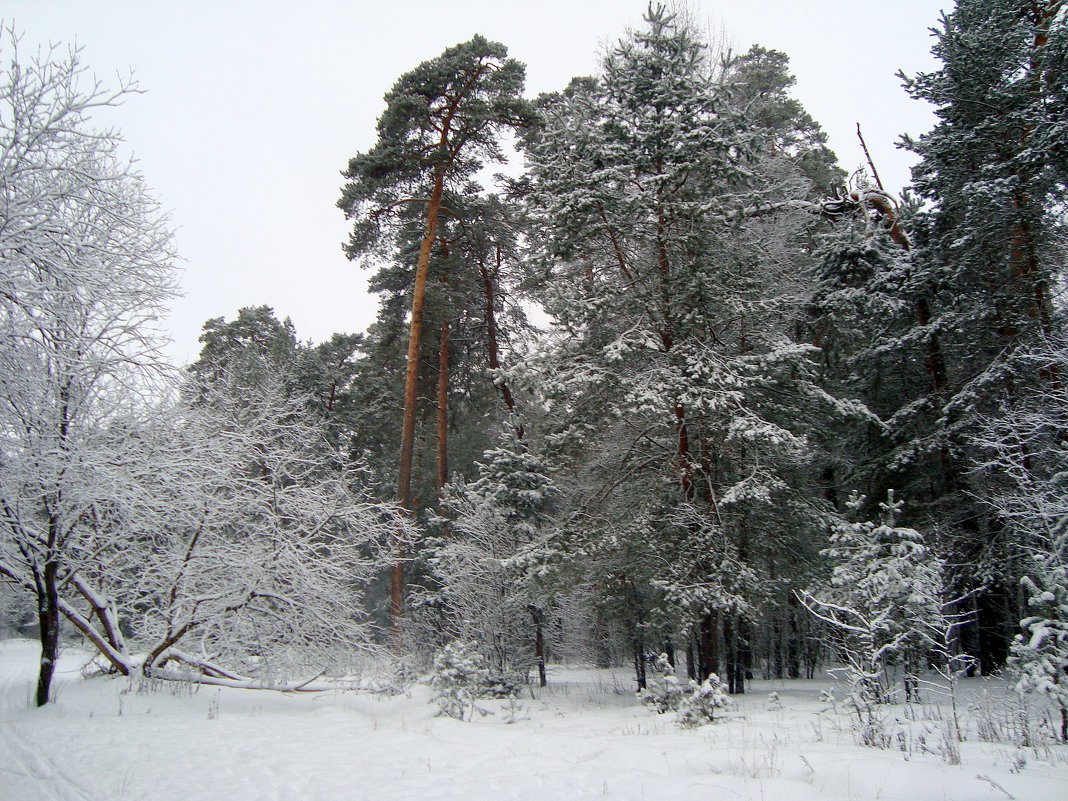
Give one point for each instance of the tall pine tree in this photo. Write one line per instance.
(442, 121)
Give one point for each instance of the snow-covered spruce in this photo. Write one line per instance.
(701, 701)
(460, 677)
(664, 692)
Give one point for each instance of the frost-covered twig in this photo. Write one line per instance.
(994, 784)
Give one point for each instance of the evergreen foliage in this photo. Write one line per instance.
(672, 225)
(482, 564)
(735, 339)
(699, 705)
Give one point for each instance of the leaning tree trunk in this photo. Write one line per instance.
(407, 449)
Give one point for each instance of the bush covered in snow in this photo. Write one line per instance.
(699, 705)
(663, 693)
(460, 676)
(695, 703)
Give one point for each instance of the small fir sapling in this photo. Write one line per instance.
(483, 568)
(884, 600)
(699, 705)
(1040, 655)
(884, 595)
(460, 677)
(664, 693)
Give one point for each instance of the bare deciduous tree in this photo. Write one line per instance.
(87, 271)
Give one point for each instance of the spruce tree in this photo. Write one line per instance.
(979, 281)
(673, 229)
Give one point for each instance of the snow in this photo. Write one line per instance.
(584, 737)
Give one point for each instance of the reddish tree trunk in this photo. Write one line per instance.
(411, 381)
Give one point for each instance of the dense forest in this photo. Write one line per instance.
(680, 386)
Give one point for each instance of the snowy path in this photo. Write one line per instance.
(583, 739)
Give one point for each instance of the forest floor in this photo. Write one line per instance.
(585, 736)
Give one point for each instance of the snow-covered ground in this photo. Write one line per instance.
(584, 737)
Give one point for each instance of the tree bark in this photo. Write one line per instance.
(669, 651)
(639, 659)
(491, 334)
(411, 381)
(1031, 285)
(730, 640)
(683, 453)
(708, 645)
(539, 642)
(48, 620)
(443, 408)
(793, 642)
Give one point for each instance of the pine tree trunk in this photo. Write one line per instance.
(411, 381)
(730, 643)
(708, 645)
(793, 642)
(539, 643)
(639, 659)
(776, 655)
(935, 361)
(1023, 257)
(745, 650)
(491, 334)
(774, 651)
(683, 453)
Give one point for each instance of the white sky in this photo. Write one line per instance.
(253, 107)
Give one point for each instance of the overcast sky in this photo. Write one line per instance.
(252, 108)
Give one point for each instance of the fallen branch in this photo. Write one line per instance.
(216, 676)
(244, 684)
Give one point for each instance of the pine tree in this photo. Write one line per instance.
(442, 120)
(979, 280)
(673, 229)
(1026, 468)
(884, 602)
